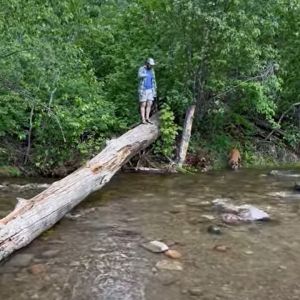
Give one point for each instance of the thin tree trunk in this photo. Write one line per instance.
(32, 217)
(186, 135)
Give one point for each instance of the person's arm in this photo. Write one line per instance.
(142, 73)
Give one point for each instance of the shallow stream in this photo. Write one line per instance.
(95, 252)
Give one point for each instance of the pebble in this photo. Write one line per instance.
(75, 264)
(221, 248)
(37, 269)
(214, 229)
(155, 246)
(208, 217)
(192, 200)
(248, 252)
(20, 260)
(50, 253)
(195, 292)
(179, 206)
(197, 203)
(97, 249)
(171, 265)
(173, 254)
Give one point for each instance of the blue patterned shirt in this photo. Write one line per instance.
(142, 75)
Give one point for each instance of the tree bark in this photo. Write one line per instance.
(32, 217)
(186, 135)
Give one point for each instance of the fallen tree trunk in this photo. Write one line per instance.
(32, 217)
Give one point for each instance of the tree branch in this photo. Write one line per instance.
(282, 116)
(51, 96)
(8, 54)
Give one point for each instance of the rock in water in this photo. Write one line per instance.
(297, 187)
(208, 217)
(224, 205)
(279, 194)
(75, 264)
(234, 214)
(214, 229)
(156, 246)
(283, 174)
(252, 213)
(230, 218)
(20, 260)
(37, 269)
(50, 253)
(195, 292)
(273, 173)
(171, 265)
(221, 248)
(173, 254)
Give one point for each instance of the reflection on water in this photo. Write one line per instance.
(97, 253)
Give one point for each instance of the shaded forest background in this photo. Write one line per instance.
(68, 76)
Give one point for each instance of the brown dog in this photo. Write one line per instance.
(234, 158)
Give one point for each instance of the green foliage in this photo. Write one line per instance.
(44, 67)
(8, 171)
(169, 131)
(68, 72)
(292, 136)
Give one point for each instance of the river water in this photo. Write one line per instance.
(95, 252)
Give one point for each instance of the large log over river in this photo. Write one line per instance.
(41, 212)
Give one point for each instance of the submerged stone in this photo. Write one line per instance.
(171, 265)
(173, 254)
(20, 260)
(214, 230)
(37, 269)
(155, 246)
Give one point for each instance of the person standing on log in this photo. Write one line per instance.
(146, 89)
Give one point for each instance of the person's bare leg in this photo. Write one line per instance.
(143, 111)
(148, 110)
